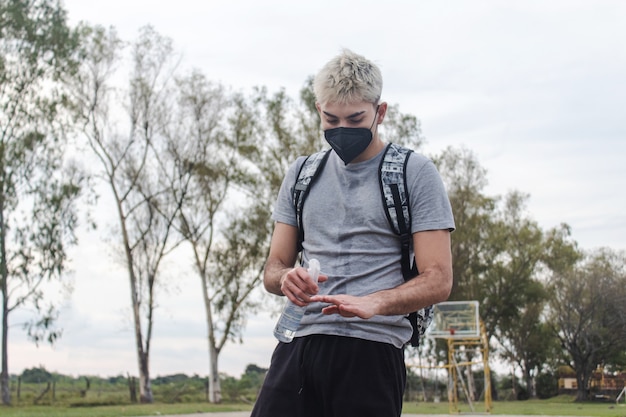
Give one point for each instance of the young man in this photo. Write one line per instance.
(347, 359)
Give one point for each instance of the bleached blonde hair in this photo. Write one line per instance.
(348, 78)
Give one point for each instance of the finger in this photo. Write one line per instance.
(299, 286)
(346, 311)
(338, 309)
(332, 309)
(322, 278)
(309, 287)
(325, 299)
(301, 297)
(294, 298)
(291, 290)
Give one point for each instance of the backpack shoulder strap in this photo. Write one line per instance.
(395, 195)
(307, 174)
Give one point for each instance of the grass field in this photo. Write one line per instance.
(560, 406)
(118, 410)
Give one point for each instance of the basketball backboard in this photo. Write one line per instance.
(455, 320)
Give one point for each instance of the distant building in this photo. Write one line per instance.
(601, 384)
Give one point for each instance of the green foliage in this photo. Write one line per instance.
(36, 375)
(93, 391)
(503, 259)
(547, 385)
(175, 378)
(253, 377)
(402, 128)
(588, 312)
(247, 387)
(465, 180)
(38, 185)
(132, 163)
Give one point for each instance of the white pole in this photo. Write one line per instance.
(620, 395)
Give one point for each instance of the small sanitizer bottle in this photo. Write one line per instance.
(289, 320)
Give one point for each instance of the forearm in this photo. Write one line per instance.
(273, 275)
(430, 287)
(282, 257)
(433, 285)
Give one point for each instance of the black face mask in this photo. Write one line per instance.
(349, 142)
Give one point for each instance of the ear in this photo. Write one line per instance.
(382, 111)
(318, 106)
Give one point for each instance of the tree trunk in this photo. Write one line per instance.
(530, 383)
(143, 355)
(215, 389)
(581, 391)
(4, 280)
(513, 384)
(527, 382)
(132, 388)
(145, 386)
(4, 377)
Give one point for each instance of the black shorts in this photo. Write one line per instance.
(333, 376)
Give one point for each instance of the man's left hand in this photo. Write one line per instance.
(347, 305)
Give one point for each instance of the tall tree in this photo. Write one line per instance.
(237, 149)
(37, 192)
(131, 164)
(237, 265)
(516, 249)
(498, 254)
(240, 149)
(529, 341)
(526, 337)
(402, 128)
(473, 210)
(203, 145)
(588, 312)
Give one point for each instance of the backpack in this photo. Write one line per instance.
(395, 199)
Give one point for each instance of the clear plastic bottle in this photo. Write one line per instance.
(289, 320)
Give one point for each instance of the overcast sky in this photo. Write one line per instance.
(537, 89)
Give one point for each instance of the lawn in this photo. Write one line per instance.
(559, 406)
(118, 410)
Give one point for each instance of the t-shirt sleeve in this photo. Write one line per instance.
(430, 205)
(284, 210)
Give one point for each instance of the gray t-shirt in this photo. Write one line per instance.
(346, 229)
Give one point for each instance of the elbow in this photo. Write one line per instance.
(269, 287)
(445, 292)
(267, 284)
